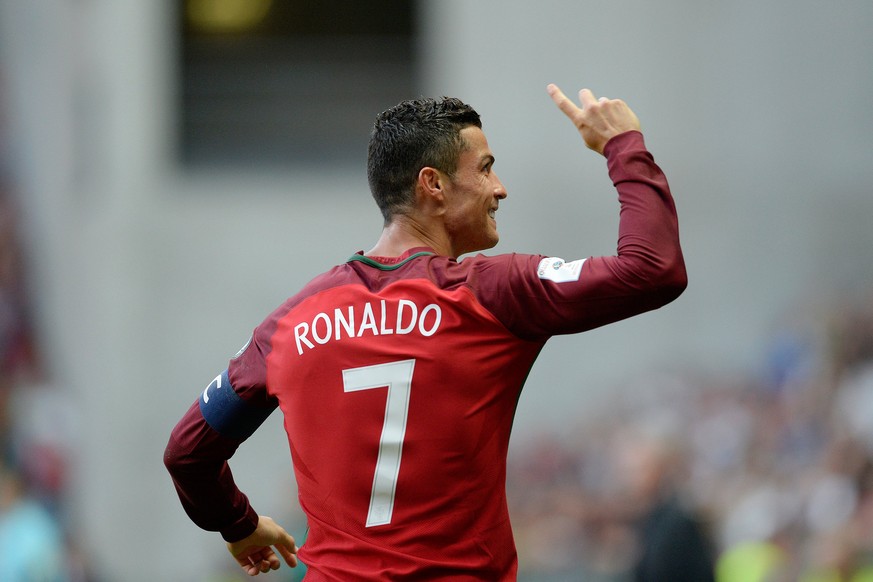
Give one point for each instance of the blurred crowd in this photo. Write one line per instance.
(758, 476)
(35, 545)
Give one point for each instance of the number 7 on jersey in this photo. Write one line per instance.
(397, 378)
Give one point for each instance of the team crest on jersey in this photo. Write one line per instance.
(558, 270)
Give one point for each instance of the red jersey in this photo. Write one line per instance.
(398, 380)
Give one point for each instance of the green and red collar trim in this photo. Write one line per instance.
(391, 263)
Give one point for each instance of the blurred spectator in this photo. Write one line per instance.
(753, 561)
(673, 543)
(31, 542)
(837, 557)
(17, 351)
(35, 435)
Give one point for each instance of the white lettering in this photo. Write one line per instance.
(217, 383)
(327, 328)
(346, 324)
(368, 321)
(409, 319)
(401, 330)
(300, 336)
(437, 318)
(382, 329)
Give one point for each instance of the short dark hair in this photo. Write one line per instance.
(412, 135)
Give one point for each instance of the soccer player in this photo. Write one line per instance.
(398, 372)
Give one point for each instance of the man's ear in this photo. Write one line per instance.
(430, 184)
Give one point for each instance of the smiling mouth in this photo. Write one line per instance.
(492, 212)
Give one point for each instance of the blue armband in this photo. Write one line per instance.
(228, 413)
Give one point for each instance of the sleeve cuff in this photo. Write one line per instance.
(242, 528)
(622, 142)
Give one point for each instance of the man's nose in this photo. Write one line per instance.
(499, 189)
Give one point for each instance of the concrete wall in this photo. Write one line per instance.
(149, 278)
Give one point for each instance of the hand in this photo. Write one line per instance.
(598, 120)
(255, 554)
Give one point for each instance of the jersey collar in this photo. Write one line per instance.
(391, 263)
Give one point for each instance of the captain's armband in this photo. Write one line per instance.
(228, 413)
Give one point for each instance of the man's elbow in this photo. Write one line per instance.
(179, 454)
(174, 456)
(657, 280)
(670, 282)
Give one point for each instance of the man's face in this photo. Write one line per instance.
(472, 196)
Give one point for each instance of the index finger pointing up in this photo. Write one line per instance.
(562, 101)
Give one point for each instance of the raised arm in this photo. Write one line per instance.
(647, 270)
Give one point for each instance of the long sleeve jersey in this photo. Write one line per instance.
(398, 380)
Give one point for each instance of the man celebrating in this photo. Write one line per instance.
(398, 372)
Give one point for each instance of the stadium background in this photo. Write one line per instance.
(142, 274)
